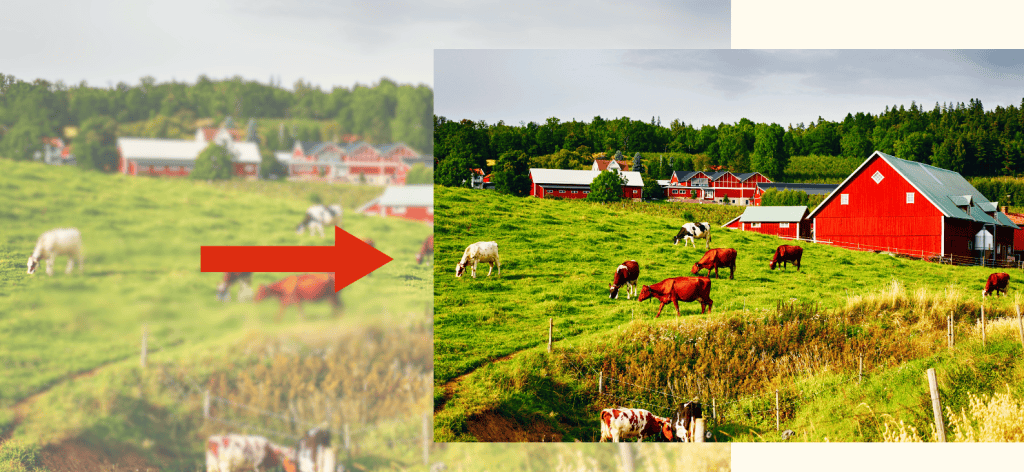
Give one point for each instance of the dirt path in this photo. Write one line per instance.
(452, 385)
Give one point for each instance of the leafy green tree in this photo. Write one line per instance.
(769, 156)
(419, 174)
(455, 171)
(22, 140)
(512, 174)
(214, 163)
(270, 166)
(607, 187)
(95, 147)
(651, 189)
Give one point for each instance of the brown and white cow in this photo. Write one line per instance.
(628, 423)
(244, 281)
(626, 274)
(996, 283)
(315, 453)
(427, 249)
(234, 452)
(784, 254)
(678, 289)
(684, 423)
(715, 258)
(296, 289)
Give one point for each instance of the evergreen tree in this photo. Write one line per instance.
(638, 166)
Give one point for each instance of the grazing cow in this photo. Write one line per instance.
(628, 423)
(235, 452)
(678, 289)
(691, 231)
(58, 242)
(319, 216)
(996, 283)
(476, 253)
(715, 258)
(315, 453)
(427, 249)
(244, 280)
(786, 254)
(684, 420)
(298, 288)
(626, 274)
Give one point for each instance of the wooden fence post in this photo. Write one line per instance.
(348, 445)
(145, 335)
(776, 409)
(933, 385)
(983, 321)
(1020, 324)
(860, 369)
(427, 439)
(600, 383)
(206, 404)
(698, 430)
(551, 328)
(949, 331)
(627, 457)
(714, 410)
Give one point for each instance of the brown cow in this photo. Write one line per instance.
(996, 283)
(675, 289)
(786, 254)
(427, 249)
(715, 258)
(298, 288)
(626, 274)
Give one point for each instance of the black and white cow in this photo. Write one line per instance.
(691, 231)
(684, 423)
(319, 216)
(626, 274)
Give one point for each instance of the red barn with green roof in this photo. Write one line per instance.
(907, 207)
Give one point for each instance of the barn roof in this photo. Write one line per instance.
(180, 149)
(713, 176)
(947, 190)
(408, 195)
(578, 177)
(745, 175)
(810, 189)
(771, 214)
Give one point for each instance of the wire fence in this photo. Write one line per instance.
(950, 259)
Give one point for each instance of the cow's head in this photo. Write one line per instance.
(261, 293)
(771, 265)
(667, 430)
(300, 228)
(613, 291)
(645, 293)
(675, 240)
(33, 264)
(696, 268)
(459, 269)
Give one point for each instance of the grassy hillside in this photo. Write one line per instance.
(142, 238)
(558, 259)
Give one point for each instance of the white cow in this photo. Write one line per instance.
(233, 452)
(691, 231)
(63, 242)
(477, 253)
(319, 216)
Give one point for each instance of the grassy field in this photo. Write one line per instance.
(767, 329)
(74, 339)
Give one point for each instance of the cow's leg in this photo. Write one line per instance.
(302, 314)
(675, 302)
(473, 270)
(490, 268)
(497, 260)
(71, 265)
(280, 313)
(49, 264)
(732, 270)
(659, 309)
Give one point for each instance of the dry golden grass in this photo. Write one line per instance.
(992, 418)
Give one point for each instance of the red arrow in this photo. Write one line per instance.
(350, 259)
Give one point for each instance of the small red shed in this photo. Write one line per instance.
(784, 221)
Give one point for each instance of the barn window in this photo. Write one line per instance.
(783, 225)
(910, 197)
(844, 199)
(755, 225)
(574, 191)
(398, 210)
(551, 191)
(877, 177)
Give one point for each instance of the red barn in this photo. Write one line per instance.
(177, 157)
(714, 186)
(564, 183)
(911, 208)
(784, 221)
(413, 202)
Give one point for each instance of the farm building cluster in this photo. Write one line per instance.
(353, 162)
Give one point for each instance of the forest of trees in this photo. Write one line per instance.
(382, 113)
(961, 137)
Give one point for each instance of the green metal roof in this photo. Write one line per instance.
(945, 189)
(771, 214)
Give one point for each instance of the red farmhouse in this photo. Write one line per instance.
(784, 221)
(413, 202)
(564, 183)
(912, 208)
(714, 186)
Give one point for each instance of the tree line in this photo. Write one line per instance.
(380, 113)
(961, 137)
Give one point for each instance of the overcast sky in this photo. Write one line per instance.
(330, 43)
(714, 86)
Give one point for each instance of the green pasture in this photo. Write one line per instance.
(142, 238)
(558, 258)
